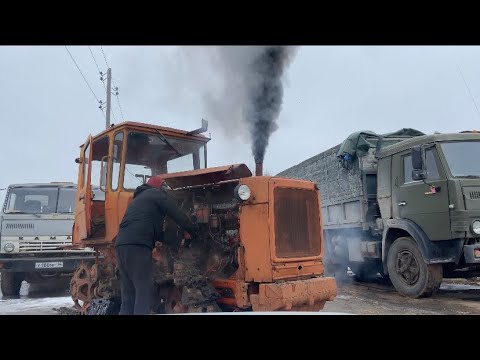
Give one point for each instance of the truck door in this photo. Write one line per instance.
(84, 201)
(418, 201)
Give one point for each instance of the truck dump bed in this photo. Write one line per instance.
(346, 176)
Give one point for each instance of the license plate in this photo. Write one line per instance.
(49, 265)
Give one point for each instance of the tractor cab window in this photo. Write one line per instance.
(154, 154)
(99, 170)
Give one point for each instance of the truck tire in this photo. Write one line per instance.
(11, 283)
(409, 273)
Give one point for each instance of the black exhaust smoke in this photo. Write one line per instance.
(242, 85)
(265, 95)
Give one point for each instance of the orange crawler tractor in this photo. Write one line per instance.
(260, 247)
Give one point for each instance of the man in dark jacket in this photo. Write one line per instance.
(140, 228)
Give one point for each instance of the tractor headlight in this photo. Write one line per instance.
(243, 192)
(476, 227)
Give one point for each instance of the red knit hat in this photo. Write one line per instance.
(156, 181)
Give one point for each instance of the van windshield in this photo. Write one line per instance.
(40, 200)
(461, 158)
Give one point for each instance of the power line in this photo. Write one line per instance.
(113, 113)
(98, 68)
(101, 78)
(116, 88)
(81, 73)
(120, 106)
(95, 61)
(469, 91)
(117, 95)
(104, 56)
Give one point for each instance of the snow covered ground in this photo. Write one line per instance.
(33, 306)
(34, 303)
(456, 297)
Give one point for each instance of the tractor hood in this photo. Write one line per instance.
(206, 176)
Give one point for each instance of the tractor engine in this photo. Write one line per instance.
(192, 264)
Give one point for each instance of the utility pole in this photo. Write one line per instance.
(109, 96)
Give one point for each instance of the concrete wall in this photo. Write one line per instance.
(336, 184)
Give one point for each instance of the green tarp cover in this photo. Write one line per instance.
(357, 145)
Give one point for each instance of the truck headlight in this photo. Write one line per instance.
(476, 227)
(243, 192)
(8, 247)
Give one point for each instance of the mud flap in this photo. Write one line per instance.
(104, 307)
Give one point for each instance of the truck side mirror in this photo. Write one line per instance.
(418, 172)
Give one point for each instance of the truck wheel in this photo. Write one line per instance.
(409, 273)
(11, 283)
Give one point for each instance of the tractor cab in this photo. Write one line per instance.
(117, 161)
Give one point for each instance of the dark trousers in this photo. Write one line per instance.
(136, 277)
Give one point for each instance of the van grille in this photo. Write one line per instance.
(32, 245)
(297, 223)
(20, 226)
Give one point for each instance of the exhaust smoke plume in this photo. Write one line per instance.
(245, 87)
(264, 95)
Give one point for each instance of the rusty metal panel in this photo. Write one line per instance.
(295, 270)
(150, 128)
(237, 296)
(254, 234)
(83, 199)
(301, 295)
(112, 216)
(297, 225)
(206, 176)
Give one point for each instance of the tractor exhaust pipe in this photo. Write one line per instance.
(259, 169)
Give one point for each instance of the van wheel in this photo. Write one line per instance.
(11, 283)
(409, 273)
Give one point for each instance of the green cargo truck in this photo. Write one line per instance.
(405, 205)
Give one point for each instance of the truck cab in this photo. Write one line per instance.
(404, 205)
(429, 192)
(35, 232)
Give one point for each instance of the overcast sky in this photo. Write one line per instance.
(47, 111)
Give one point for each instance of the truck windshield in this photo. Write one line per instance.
(153, 154)
(461, 158)
(40, 200)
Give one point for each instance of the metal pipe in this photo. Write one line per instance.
(259, 169)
